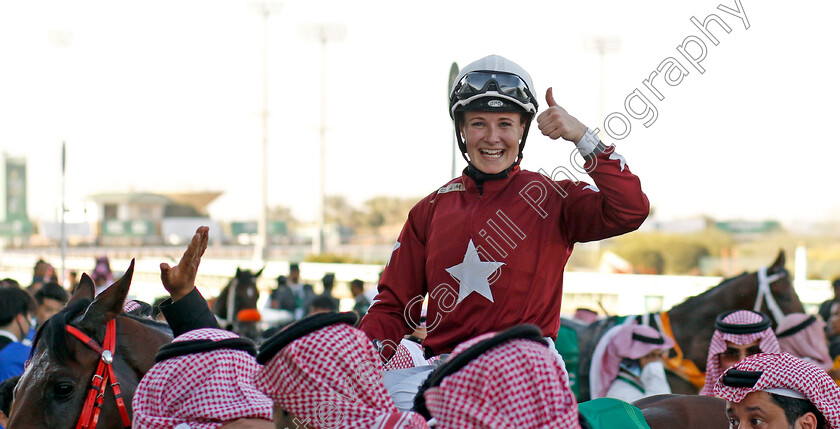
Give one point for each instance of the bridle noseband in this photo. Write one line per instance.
(764, 292)
(104, 371)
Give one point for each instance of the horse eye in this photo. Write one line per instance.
(62, 390)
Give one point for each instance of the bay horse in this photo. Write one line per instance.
(684, 411)
(90, 341)
(227, 306)
(691, 323)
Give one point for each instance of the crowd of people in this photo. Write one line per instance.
(461, 333)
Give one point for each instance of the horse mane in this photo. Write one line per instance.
(714, 289)
(54, 330)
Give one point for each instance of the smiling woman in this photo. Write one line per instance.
(488, 231)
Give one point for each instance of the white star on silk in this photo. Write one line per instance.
(396, 246)
(473, 274)
(620, 159)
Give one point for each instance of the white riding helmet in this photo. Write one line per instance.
(492, 84)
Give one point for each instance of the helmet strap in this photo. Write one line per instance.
(478, 176)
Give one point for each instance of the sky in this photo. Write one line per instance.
(160, 96)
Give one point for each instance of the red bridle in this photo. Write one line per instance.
(104, 371)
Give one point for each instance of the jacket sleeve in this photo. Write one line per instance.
(190, 312)
(402, 286)
(654, 379)
(615, 205)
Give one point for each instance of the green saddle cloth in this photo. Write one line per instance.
(609, 413)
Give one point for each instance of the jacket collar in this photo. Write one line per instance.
(477, 182)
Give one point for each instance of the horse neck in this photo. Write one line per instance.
(693, 321)
(138, 343)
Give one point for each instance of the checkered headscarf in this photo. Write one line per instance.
(202, 390)
(804, 337)
(518, 383)
(767, 344)
(785, 371)
(332, 378)
(408, 355)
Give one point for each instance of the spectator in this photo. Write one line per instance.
(780, 391)
(291, 295)
(509, 379)
(323, 372)
(102, 275)
(357, 289)
(323, 304)
(51, 299)
(329, 281)
(9, 282)
(825, 306)
(17, 307)
(738, 334)
(41, 273)
(631, 367)
(804, 337)
(203, 379)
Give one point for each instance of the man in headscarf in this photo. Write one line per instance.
(202, 380)
(506, 379)
(803, 336)
(321, 372)
(780, 390)
(738, 334)
(631, 367)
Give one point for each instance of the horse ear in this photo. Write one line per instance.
(238, 272)
(779, 263)
(257, 274)
(109, 303)
(85, 290)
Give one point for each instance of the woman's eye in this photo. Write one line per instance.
(476, 123)
(62, 390)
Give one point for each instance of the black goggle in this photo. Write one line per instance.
(475, 83)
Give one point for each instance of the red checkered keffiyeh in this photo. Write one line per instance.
(130, 306)
(768, 344)
(804, 337)
(785, 371)
(629, 341)
(408, 355)
(332, 378)
(517, 384)
(203, 390)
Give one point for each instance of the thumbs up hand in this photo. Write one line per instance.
(556, 122)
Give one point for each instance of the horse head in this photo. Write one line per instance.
(768, 290)
(228, 306)
(54, 389)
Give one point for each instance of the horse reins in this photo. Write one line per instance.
(104, 371)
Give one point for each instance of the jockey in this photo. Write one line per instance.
(632, 366)
(322, 372)
(510, 379)
(780, 390)
(201, 380)
(803, 336)
(738, 334)
(488, 249)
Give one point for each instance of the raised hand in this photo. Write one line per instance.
(180, 279)
(556, 122)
